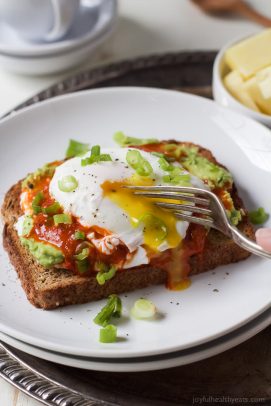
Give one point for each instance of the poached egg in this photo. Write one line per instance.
(99, 200)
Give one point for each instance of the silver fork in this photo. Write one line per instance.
(203, 202)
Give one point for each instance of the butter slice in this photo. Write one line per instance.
(234, 82)
(259, 88)
(250, 55)
(264, 76)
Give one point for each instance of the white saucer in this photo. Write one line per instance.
(90, 24)
(56, 62)
(163, 361)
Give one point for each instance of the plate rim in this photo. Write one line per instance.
(212, 348)
(57, 99)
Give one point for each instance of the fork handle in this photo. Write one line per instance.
(249, 245)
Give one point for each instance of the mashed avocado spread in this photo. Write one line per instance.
(215, 175)
(45, 170)
(45, 254)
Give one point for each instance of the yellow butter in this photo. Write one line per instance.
(234, 82)
(250, 55)
(260, 90)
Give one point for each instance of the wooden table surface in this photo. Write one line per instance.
(144, 27)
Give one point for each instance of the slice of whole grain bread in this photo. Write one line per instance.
(50, 288)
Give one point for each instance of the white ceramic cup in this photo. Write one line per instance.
(37, 20)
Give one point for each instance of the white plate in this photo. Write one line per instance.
(40, 134)
(90, 23)
(171, 360)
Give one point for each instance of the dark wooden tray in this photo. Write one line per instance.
(239, 376)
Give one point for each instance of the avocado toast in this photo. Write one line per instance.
(62, 254)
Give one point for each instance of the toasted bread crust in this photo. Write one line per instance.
(50, 288)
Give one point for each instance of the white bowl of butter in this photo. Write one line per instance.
(242, 76)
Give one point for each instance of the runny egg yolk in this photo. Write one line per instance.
(159, 225)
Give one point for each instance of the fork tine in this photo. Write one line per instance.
(174, 196)
(184, 207)
(175, 189)
(193, 219)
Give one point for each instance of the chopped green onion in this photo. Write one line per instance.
(96, 150)
(62, 219)
(82, 266)
(164, 164)
(138, 163)
(95, 156)
(154, 224)
(82, 255)
(27, 225)
(52, 209)
(124, 141)
(108, 334)
(67, 184)
(76, 148)
(181, 180)
(118, 308)
(143, 309)
(111, 309)
(158, 154)
(105, 275)
(79, 235)
(36, 202)
(258, 216)
(105, 157)
(175, 175)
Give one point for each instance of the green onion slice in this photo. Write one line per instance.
(67, 183)
(79, 235)
(108, 334)
(96, 150)
(52, 209)
(76, 148)
(124, 141)
(143, 309)
(106, 275)
(181, 180)
(138, 163)
(164, 164)
(158, 154)
(258, 216)
(112, 308)
(155, 224)
(36, 202)
(83, 254)
(62, 219)
(95, 156)
(82, 266)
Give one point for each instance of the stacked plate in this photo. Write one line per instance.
(91, 27)
(221, 309)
